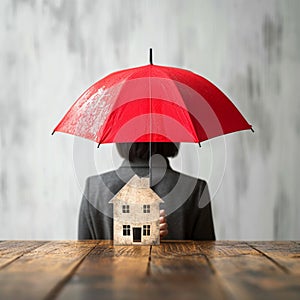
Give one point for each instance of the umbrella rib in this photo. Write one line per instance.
(150, 129)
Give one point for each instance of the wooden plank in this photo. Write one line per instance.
(179, 271)
(37, 274)
(225, 248)
(278, 248)
(252, 276)
(12, 250)
(284, 253)
(176, 248)
(110, 272)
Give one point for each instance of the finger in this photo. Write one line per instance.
(163, 226)
(162, 220)
(162, 213)
(163, 233)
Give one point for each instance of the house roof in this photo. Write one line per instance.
(137, 190)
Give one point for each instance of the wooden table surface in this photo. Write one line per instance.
(172, 270)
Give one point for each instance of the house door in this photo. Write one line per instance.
(137, 234)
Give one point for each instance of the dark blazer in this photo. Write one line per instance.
(186, 202)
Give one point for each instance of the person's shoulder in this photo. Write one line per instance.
(96, 177)
(201, 195)
(109, 182)
(103, 178)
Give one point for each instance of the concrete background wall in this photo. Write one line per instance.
(51, 51)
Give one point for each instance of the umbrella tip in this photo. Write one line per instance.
(252, 129)
(98, 145)
(199, 144)
(150, 56)
(53, 132)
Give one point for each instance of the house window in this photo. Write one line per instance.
(126, 229)
(146, 229)
(146, 208)
(125, 209)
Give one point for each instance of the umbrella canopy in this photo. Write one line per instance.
(152, 103)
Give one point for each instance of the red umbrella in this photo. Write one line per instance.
(152, 104)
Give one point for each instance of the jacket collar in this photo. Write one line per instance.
(141, 168)
(158, 162)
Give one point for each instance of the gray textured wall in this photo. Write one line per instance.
(51, 51)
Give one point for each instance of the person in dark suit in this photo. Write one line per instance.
(186, 213)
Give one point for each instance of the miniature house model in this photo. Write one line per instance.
(136, 213)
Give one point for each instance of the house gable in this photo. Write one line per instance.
(137, 190)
